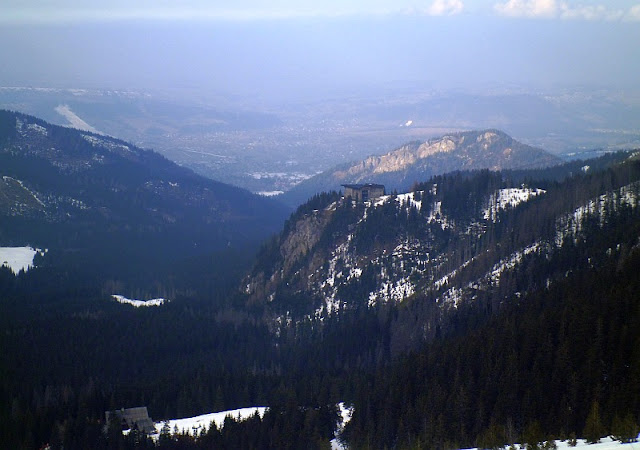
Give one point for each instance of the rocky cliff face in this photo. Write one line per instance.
(292, 249)
(491, 149)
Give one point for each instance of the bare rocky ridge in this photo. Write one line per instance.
(490, 149)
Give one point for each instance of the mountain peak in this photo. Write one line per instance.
(473, 148)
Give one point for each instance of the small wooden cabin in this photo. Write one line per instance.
(130, 417)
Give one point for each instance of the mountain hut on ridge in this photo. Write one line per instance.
(363, 192)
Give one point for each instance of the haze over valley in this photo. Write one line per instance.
(269, 148)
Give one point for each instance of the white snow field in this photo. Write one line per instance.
(18, 258)
(193, 425)
(604, 444)
(509, 198)
(139, 303)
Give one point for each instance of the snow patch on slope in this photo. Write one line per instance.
(194, 425)
(511, 262)
(508, 198)
(606, 443)
(442, 281)
(346, 412)
(394, 291)
(139, 303)
(570, 225)
(39, 129)
(397, 269)
(109, 145)
(409, 198)
(18, 258)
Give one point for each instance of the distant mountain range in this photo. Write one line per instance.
(93, 198)
(418, 161)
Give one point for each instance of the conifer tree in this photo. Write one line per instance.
(625, 429)
(593, 429)
(533, 436)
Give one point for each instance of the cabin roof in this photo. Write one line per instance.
(363, 186)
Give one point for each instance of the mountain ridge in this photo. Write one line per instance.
(77, 192)
(400, 168)
(451, 239)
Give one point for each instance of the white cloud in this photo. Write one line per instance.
(598, 12)
(445, 7)
(633, 14)
(554, 9)
(527, 8)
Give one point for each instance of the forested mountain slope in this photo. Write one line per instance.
(560, 361)
(450, 241)
(93, 200)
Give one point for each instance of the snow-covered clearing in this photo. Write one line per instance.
(406, 198)
(604, 444)
(506, 198)
(435, 214)
(18, 258)
(409, 198)
(193, 425)
(139, 303)
(269, 193)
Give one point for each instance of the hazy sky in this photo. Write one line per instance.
(113, 10)
(281, 47)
